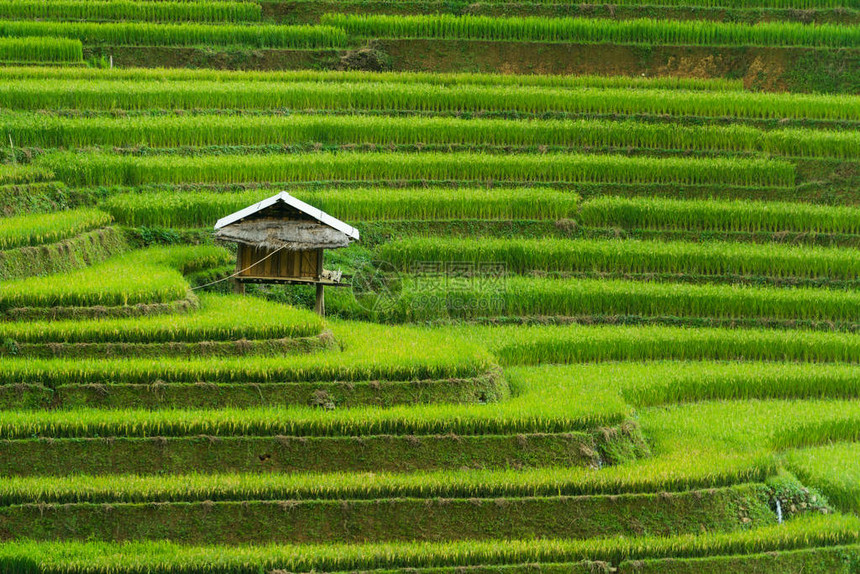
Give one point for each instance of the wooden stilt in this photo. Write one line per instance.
(241, 254)
(320, 306)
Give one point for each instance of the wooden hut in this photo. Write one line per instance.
(281, 240)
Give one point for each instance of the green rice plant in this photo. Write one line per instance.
(535, 407)
(131, 94)
(832, 469)
(187, 259)
(36, 229)
(836, 427)
(629, 256)
(672, 471)
(37, 197)
(740, 381)
(24, 174)
(646, 384)
(716, 215)
(659, 383)
(75, 252)
(736, 4)
(78, 556)
(41, 49)
(174, 131)
(187, 34)
(649, 475)
(749, 425)
(106, 169)
(219, 318)
(337, 76)
(531, 297)
(833, 559)
(183, 209)
(367, 352)
(129, 10)
(531, 345)
(148, 276)
(724, 407)
(586, 30)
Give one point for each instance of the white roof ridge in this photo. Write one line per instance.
(296, 203)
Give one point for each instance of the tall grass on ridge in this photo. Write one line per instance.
(191, 209)
(172, 131)
(127, 10)
(832, 469)
(658, 474)
(36, 229)
(369, 352)
(539, 406)
(151, 94)
(24, 174)
(451, 79)
(587, 30)
(534, 345)
(584, 298)
(151, 34)
(219, 318)
(148, 276)
(706, 215)
(630, 256)
(736, 4)
(803, 532)
(41, 49)
(650, 384)
(106, 169)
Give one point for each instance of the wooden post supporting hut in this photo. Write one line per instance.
(282, 240)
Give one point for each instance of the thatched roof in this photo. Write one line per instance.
(282, 221)
(275, 233)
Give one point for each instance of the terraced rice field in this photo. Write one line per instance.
(603, 315)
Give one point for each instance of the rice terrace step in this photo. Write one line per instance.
(504, 287)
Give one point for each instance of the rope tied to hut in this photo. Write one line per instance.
(237, 273)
